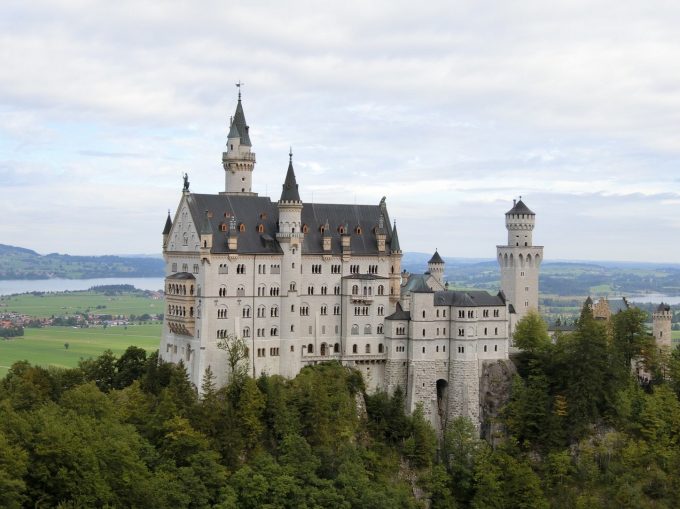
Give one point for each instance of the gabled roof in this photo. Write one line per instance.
(417, 283)
(399, 314)
(240, 123)
(181, 275)
(520, 208)
(436, 258)
(472, 298)
(168, 225)
(290, 186)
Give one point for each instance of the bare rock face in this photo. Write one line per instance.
(494, 392)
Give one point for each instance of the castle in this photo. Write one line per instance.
(304, 283)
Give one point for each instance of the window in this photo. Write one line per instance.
(336, 309)
(324, 310)
(437, 313)
(355, 290)
(461, 313)
(274, 311)
(260, 228)
(304, 310)
(274, 331)
(336, 348)
(423, 332)
(246, 312)
(310, 290)
(495, 331)
(423, 352)
(309, 330)
(336, 290)
(471, 314)
(355, 349)
(368, 348)
(496, 313)
(485, 348)
(274, 291)
(379, 329)
(495, 348)
(185, 267)
(485, 313)
(355, 329)
(242, 227)
(222, 292)
(324, 290)
(381, 348)
(196, 269)
(381, 310)
(367, 329)
(335, 269)
(246, 332)
(310, 348)
(174, 267)
(444, 313)
(423, 313)
(240, 291)
(222, 313)
(292, 286)
(381, 290)
(461, 332)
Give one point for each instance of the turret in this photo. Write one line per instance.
(290, 237)
(395, 269)
(238, 161)
(435, 266)
(661, 325)
(206, 236)
(520, 260)
(519, 221)
(166, 231)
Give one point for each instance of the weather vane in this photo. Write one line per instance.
(238, 85)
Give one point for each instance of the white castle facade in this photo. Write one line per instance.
(304, 283)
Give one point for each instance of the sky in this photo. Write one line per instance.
(449, 109)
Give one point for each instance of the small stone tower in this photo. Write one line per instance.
(238, 161)
(520, 260)
(661, 325)
(290, 237)
(436, 267)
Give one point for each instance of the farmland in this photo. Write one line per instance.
(46, 346)
(70, 303)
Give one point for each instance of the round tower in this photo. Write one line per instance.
(290, 237)
(435, 266)
(520, 261)
(238, 161)
(661, 325)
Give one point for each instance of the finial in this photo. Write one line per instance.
(168, 211)
(520, 197)
(238, 85)
(290, 154)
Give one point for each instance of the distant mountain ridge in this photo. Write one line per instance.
(21, 263)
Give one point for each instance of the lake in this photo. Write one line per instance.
(656, 298)
(11, 286)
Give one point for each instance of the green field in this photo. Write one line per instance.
(45, 347)
(68, 303)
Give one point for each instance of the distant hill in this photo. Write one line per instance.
(21, 263)
(562, 277)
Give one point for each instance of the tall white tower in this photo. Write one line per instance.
(520, 261)
(290, 237)
(238, 161)
(661, 326)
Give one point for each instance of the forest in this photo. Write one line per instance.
(579, 430)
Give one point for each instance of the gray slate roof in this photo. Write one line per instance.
(436, 258)
(663, 307)
(168, 225)
(399, 314)
(240, 123)
(618, 305)
(520, 208)
(181, 275)
(472, 298)
(394, 242)
(417, 283)
(252, 211)
(290, 187)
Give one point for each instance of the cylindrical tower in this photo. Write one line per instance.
(661, 325)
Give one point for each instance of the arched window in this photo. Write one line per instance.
(381, 348)
(260, 228)
(355, 290)
(242, 227)
(355, 349)
(355, 329)
(381, 290)
(310, 348)
(305, 229)
(336, 348)
(367, 329)
(368, 348)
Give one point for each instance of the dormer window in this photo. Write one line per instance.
(223, 227)
(358, 230)
(322, 229)
(242, 227)
(260, 228)
(341, 230)
(263, 215)
(305, 229)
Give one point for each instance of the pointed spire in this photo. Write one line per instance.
(233, 132)
(436, 258)
(290, 187)
(394, 243)
(239, 123)
(206, 229)
(168, 224)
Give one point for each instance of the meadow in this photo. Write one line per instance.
(45, 346)
(69, 303)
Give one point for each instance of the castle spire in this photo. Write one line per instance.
(239, 159)
(290, 186)
(394, 243)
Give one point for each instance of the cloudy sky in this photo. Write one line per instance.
(449, 109)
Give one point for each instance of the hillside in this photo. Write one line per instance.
(21, 263)
(563, 278)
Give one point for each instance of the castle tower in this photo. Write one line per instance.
(238, 161)
(661, 325)
(520, 261)
(395, 270)
(436, 267)
(290, 237)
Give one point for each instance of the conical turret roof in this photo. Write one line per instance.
(168, 225)
(436, 258)
(239, 122)
(394, 242)
(290, 186)
(520, 208)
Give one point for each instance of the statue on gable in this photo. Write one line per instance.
(186, 182)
